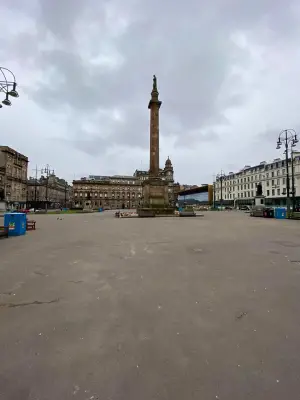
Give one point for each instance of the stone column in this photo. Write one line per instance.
(154, 106)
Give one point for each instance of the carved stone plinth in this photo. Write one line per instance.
(155, 198)
(259, 200)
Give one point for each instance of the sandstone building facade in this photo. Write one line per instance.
(119, 191)
(13, 177)
(53, 191)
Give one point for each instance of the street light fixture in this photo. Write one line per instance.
(288, 137)
(48, 173)
(220, 177)
(293, 191)
(8, 86)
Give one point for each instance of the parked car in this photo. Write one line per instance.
(245, 208)
(25, 211)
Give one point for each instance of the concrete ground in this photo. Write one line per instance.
(94, 307)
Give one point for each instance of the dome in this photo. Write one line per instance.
(168, 162)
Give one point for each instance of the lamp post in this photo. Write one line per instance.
(214, 192)
(8, 85)
(220, 177)
(48, 172)
(36, 170)
(66, 188)
(293, 192)
(288, 137)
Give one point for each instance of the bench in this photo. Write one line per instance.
(187, 214)
(30, 225)
(146, 213)
(3, 231)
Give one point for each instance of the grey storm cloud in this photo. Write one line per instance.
(91, 65)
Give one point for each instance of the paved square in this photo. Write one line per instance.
(94, 307)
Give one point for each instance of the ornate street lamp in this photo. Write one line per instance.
(288, 137)
(48, 173)
(220, 177)
(8, 85)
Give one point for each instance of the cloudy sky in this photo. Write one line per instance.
(228, 75)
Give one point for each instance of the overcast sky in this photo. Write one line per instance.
(228, 74)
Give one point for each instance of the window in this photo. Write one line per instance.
(278, 172)
(267, 175)
(272, 174)
(284, 191)
(278, 181)
(283, 171)
(268, 183)
(273, 192)
(278, 192)
(268, 192)
(273, 182)
(283, 181)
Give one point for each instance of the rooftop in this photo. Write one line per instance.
(14, 152)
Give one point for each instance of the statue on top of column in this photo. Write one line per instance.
(259, 189)
(154, 83)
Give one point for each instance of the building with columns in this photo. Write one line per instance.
(239, 188)
(119, 191)
(108, 192)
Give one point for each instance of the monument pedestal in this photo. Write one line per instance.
(259, 200)
(155, 198)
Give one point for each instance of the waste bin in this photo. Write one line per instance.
(280, 213)
(16, 223)
(269, 213)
